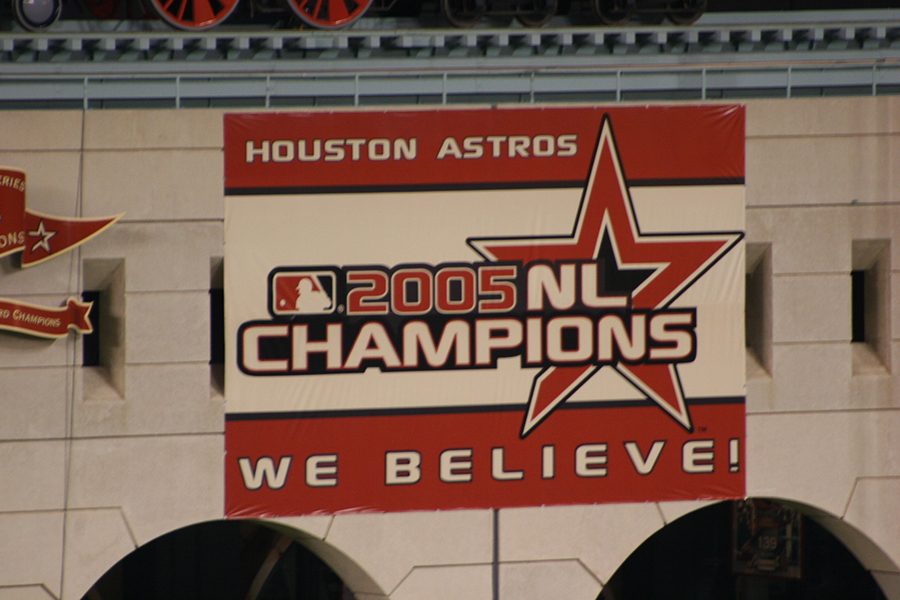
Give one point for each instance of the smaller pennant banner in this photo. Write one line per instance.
(45, 322)
(38, 236)
(47, 236)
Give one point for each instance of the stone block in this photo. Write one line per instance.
(811, 377)
(873, 509)
(33, 475)
(161, 483)
(472, 582)
(40, 130)
(52, 180)
(161, 256)
(600, 536)
(811, 308)
(159, 399)
(822, 170)
(30, 544)
(144, 129)
(96, 539)
(823, 116)
(567, 579)
(815, 457)
(389, 546)
(800, 247)
(54, 277)
(34, 402)
(167, 327)
(159, 185)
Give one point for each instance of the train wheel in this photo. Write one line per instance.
(193, 15)
(329, 14)
(100, 9)
(540, 14)
(686, 12)
(36, 15)
(463, 13)
(612, 12)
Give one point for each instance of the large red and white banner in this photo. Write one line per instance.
(483, 308)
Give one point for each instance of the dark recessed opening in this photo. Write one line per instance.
(225, 560)
(858, 305)
(758, 306)
(90, 342)
(216, 326)
(750, 314)
(711, 554)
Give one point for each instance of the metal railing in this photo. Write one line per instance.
(430, 87)
(847, 53)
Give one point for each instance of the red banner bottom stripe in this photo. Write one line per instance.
(476, 460)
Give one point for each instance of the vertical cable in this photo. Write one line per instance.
(71, 362)
(495, 557)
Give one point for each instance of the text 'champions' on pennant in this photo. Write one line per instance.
(41, 321)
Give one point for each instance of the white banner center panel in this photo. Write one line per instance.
(483, 308)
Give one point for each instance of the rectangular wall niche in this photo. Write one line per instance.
(217, 324)
(104, 361)
(870, 287)
(758, 309)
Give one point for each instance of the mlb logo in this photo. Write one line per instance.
(303, 293)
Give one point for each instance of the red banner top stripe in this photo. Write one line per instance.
(505, 145)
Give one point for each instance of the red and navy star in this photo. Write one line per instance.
(659, 268)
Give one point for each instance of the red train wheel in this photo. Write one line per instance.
(687, 11)
(193, 15)
(612, 12)
(100, 9)
(539, 13)
(463, 13)
(329, 14)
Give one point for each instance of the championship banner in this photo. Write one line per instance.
(40, 237)
(41, 321)
(483, 308)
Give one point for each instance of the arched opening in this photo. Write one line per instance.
(743, 550)
(239, 560)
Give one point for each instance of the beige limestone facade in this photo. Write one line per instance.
(97, 461)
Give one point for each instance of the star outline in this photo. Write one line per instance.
(46, 236)
(606, 141)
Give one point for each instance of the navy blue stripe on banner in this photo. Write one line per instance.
(684, 182)
(450, 410)
(445, 187)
